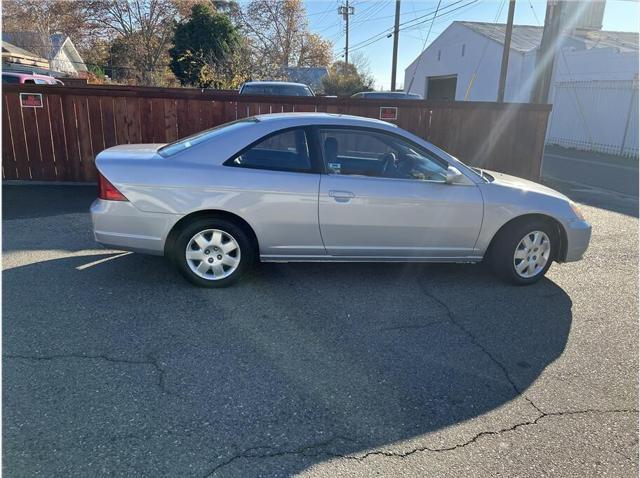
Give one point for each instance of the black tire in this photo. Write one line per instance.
(504, 247)
(246, 251)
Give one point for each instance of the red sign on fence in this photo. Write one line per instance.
(388, 113)
(31, 100)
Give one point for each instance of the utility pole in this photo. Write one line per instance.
(345, 11)
(547, 51)
(394, 63)
(505, 51)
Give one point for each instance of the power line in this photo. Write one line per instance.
(415, 70)
(380, 36)
(414, 23)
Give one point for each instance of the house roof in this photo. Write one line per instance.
(528, 37)
(14, 50)
(12, 54)
(50, 49)
(30, 41)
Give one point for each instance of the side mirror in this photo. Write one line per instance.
(454, 176)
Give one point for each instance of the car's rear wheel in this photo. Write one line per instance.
(213, 252)
(523, 252)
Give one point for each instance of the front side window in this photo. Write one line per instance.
(369, 153)
(284, 151)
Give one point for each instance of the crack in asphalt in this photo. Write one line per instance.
(316, 449)
(307, 450)
(150, 360)
(477, 343)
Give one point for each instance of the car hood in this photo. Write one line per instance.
(514, 182)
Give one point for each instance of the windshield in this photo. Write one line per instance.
(186, 143)
(441, 152)
(276, 90)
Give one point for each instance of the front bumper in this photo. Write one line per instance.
(120, 225)
(578, 237)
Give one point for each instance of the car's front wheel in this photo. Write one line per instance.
(213, 252)
(524, 251)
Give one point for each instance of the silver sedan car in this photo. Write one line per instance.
(321, 187)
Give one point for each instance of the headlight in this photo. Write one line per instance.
(576, 210)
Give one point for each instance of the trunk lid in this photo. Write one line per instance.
(131, 151)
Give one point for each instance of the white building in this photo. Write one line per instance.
(594, 85)
(64, 56)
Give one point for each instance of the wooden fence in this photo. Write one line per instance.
(59, 141)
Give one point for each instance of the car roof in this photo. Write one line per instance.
(274, 83)
(394, 93)
(295, 119)
(27, 75)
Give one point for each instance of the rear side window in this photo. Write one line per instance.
(10, 79)
(284, 151)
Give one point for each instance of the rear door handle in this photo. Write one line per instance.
(341, 196)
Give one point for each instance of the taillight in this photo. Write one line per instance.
(108, 191)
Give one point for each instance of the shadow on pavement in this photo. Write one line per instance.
(122, 366)
(608, 200)
(45, 201)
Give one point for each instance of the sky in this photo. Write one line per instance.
(373, 17)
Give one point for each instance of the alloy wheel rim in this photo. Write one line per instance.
(213, 254)
(532, 254)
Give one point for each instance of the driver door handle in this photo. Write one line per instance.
(341, 196)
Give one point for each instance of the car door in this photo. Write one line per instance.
(275, 185)
(386, 197)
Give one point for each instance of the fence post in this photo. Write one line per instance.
(634, 94)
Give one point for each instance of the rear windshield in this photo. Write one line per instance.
(186, 143)
(277, 90)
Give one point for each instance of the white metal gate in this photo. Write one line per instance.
(596, 115)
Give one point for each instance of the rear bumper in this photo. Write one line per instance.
(120, 225)
(578, 237)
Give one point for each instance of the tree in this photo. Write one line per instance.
(204, 49)
(279, 37)
(143, 29)
(345, 79)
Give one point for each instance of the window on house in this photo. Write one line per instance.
(439, 54)
(463, 47)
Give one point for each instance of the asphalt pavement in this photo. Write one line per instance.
(114, 366)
